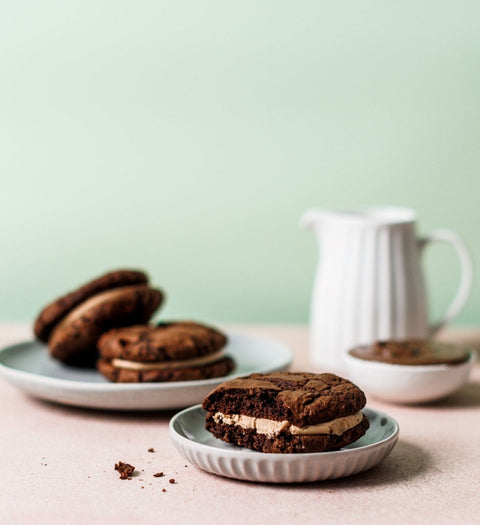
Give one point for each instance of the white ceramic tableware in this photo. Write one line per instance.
(369, 284)
(29, 367)
(195, 444)
(408, 384)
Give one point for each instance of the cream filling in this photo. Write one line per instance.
(197, 361)
(98, 298)
(270, 427)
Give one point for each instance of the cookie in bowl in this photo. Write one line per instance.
(283, 412)
(410, 371)
(415, 352)
(173, 351)
(72, 324)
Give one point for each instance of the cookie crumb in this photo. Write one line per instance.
(186, 466)
(151, 449)
(164, 490)
(159, 475)
(172, 480)
(124, 469)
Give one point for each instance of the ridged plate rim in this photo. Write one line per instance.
(249, 458)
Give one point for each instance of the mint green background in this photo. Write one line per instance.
(188, 137)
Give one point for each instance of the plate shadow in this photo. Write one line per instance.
(467, 396)
(406, 462)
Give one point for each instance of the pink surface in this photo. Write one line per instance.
(57, 465)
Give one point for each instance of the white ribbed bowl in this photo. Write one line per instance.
(195, 444)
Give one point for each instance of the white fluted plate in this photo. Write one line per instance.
(195, 444)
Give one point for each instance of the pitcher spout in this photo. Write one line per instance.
(311, 219)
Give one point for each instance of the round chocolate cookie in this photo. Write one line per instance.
(74, 338)
(285, 412)
(177, 351)
(52, 314)
(412, 352)
(171, 341)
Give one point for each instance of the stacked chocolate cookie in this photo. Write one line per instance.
(72, 324)
(108, 317)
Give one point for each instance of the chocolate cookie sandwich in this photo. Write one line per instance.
(72, 324)
(176, 351)
(285, 412)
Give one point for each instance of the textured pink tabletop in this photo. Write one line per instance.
(57, 466)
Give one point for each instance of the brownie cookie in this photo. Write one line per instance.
(285, 412)
(73, 323)
(412, 352)
(171, 341)
(56, 310)
(179, 351)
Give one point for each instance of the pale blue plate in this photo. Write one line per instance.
(29, 367)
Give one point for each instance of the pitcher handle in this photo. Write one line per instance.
(466, 277)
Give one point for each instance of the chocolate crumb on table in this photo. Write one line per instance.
(151, 449)
(171, 480)
(159, 475)
(124, 469)
(164, 490)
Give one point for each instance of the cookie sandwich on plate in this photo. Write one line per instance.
(173, 351)
(283, 412)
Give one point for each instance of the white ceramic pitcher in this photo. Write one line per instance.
(369, 283)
